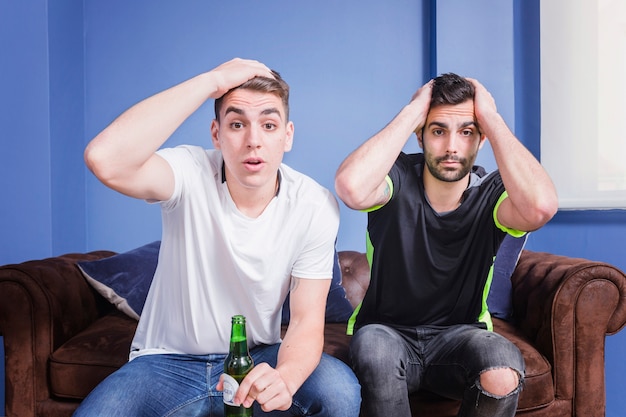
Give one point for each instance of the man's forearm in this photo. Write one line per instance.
(134, 136)
(359, 177)
(299, 355)
(528, 185)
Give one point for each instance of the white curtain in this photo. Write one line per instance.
(583, 101)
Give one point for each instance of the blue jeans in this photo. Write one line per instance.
(391, 362)
(184, 385)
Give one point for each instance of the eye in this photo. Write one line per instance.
(236, 125)
(467, 132)
(437, 132)
(269, 126)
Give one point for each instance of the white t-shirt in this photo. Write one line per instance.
(214, 262)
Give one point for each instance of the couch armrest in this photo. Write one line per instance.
(42, 304)
(566, 306)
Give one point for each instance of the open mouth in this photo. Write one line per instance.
(254, 163)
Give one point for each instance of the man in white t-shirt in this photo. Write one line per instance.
(241, 230)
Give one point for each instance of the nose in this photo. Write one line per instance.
(452, 143)
(253, 137)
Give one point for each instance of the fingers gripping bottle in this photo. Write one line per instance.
(236, 366)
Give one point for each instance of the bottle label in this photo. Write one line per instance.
(230, 388)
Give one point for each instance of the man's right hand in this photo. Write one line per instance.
(360, 181)
(421, 102)
(235, 72)
(123, 155)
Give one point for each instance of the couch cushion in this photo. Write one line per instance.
(336, 341)
(499, 300)
(538, 387)
(124, 279)
(90, 356)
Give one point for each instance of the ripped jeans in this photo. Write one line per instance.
(448, 361)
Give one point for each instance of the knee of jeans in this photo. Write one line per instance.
(500, 382)
(332, 390)
(375, 344)
(341, 399)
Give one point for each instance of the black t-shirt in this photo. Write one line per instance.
(430, 268)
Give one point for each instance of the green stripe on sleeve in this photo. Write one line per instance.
(512, 232)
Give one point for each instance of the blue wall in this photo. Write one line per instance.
(69, 67)
(350, 70)
(25, 212)
(67, 135)
(41, 129)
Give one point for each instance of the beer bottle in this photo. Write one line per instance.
(236, 366)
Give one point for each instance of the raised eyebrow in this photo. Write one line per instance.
(232, 109)
(468, 124)
(438, 124)
(272, 110)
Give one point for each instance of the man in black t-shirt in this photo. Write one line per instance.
(435, 222)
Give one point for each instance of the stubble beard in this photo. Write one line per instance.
(449, 174)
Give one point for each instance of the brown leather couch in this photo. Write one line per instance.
(62, 338)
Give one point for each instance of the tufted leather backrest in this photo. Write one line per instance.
(355, 275)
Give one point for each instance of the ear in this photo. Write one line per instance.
(482, 141)
(289, 130)
(420, 139)
(215, 129)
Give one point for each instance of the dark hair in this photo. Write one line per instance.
(451, 88)
(275, 85)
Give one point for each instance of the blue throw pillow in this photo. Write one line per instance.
(124, 279)
(338, 308)
(499, 299)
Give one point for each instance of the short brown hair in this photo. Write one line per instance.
(275, 85)
(451, 88)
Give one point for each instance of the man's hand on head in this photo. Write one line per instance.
(421, 101)
(484, 104)
(235, 72)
